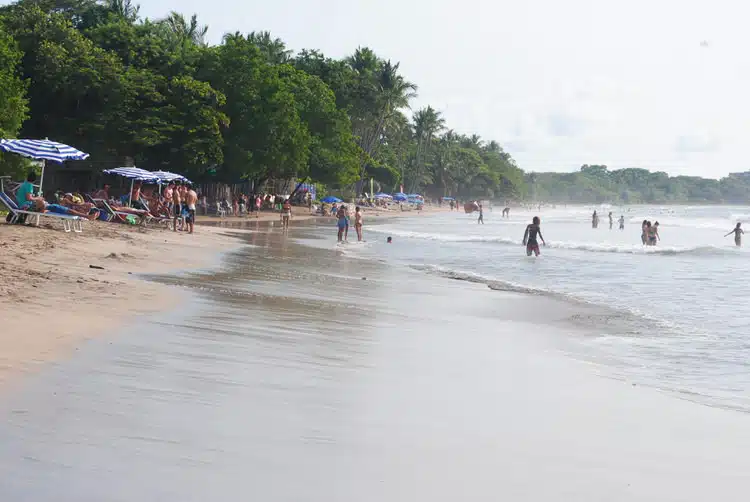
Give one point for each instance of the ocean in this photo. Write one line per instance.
(674, 316)
(444, 366)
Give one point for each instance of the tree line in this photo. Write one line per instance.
(597, 184)
(96, 75)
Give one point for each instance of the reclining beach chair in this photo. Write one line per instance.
(70, 223)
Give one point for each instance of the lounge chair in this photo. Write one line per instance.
(117, 216)
(70, 223)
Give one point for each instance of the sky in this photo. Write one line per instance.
(658, 84)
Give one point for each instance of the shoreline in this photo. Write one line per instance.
(53, 300)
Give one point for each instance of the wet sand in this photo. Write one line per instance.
(286, 376)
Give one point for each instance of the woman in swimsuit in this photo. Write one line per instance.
(358, 223)
(644, 231)
(737, 231)
(529, 237)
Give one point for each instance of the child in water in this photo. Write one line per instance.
(529, 237)
(737, 231)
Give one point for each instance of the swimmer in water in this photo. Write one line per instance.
(529, 237)
(644, 228)
(737, 231)
(594, 220)
(389, 240)
(610, 220)
(622, 223)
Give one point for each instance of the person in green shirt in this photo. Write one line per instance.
(25, 194)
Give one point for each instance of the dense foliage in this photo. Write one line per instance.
(94, 74)
(595, 183)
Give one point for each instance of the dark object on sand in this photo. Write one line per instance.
(389, 240)
(96, 267)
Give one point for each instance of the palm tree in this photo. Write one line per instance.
(185, 31)
(427, 123)
(274, 49)
(123, 8)
(380, 93)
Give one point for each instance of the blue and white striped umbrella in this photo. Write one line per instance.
(134, 173)
(42, 149)
(167, 177)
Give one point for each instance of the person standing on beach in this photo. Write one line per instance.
(191, 199)
(529, 237)
(286, 214)
(481, 215)
(258, 203)
(358, 223)
(610, 220)
(622, 222)
(341, 222)
(737, 231)
(176, 206)
(594, 220)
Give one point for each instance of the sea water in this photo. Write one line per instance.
(675, 316)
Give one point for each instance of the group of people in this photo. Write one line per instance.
(342, 221)
(620, 221)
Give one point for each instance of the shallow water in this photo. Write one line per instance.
(684, 315)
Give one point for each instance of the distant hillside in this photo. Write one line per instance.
(595, 184)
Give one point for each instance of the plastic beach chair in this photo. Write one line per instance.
(70, 223)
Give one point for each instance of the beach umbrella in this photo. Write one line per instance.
(330, 199)
(399, 197)
(383, 196)
(448, 198)
(167, 177)
(133, 174)
(44, 150)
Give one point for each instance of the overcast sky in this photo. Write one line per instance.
(557, 83)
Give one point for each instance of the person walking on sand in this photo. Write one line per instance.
(191, 198)
(481, 215)
(622, 222)
(737, 231)
(529, 237)
(341, 222)
(286, 214)
(610, 220)
(358, 223)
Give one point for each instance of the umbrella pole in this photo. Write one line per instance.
(130, 195)
(41, 179)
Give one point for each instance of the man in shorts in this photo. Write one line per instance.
(191, 199)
